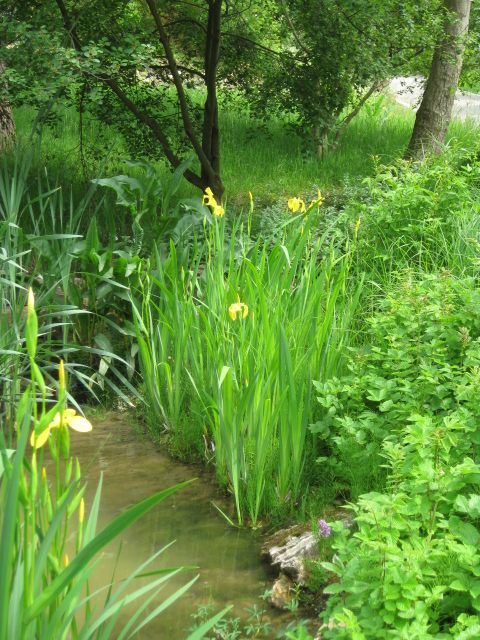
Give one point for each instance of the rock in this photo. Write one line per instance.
(289, 558)
(280, 537)
(282, 592)
(287, 550)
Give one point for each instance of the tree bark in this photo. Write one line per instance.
(435, 111)
(210, 131)
(7, 124)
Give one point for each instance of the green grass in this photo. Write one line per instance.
(232, 334)
(272, 164)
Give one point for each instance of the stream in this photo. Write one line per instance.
(228, 559)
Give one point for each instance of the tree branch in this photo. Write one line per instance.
(281, 54)
(351, 115)
(294, 31)
(140, 115)
(177, 80)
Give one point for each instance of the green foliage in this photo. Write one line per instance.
(333, 52)
(410, 404)
(420, 357)
(43, 248)
(149, 198)
(309, 62)
(420, 217)
(230, 334)
(232, 628)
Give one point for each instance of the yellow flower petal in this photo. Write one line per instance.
(218, 211)
(79, 423)
(209, 198)
(238, 308)
(296, 204)
(30, 301)
(293, 204)
(61, 375)
(318, 201)
(81, 511)
(38, 440)
(56, 421)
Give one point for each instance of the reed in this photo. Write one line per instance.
(231, 332)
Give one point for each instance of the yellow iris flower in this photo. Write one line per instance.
(68, 417)
(210, 201)
(296, 204)
(238, 308)
(319, 200)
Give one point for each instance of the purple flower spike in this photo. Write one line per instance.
(323, 528)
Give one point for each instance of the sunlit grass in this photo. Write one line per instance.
(271, 162)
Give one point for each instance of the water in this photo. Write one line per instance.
(228, 559)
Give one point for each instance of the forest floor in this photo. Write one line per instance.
(408, 91)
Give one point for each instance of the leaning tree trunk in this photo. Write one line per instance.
(435, 111)
(7, 125)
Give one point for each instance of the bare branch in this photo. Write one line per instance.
(177, 80)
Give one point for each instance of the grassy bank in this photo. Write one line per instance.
(272, 164)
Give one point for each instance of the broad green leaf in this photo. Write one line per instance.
(465, 531)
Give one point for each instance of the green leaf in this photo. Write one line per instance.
(10, 511)
(335, 587)
(8, 453)
(199, 633)
(465, 531)
(111, 531)
(386, 406)
(470, 506)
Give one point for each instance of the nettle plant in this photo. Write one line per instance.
(410, 566)
(423, 358)
(421, 216)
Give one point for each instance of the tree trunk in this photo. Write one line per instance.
(210, 133)
(435, 111)
(7, 125)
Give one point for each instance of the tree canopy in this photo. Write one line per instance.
(154, 68)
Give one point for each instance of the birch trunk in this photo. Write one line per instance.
(435, 111)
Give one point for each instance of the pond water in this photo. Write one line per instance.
(228, 559)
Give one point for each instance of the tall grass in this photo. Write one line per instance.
(231, 333)
(270, 161)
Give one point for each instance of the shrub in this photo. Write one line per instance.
(422, 357)
(409, 567)
(423, 217)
